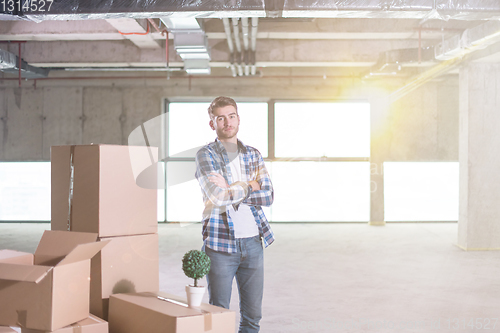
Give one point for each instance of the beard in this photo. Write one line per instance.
(227, 134)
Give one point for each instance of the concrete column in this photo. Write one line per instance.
(479, 219)
(379, 109)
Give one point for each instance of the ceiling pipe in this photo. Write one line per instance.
(165, 33)
(227, 30)
(236, 32)
(145, 77)
(483, 36)
(244, 32)
(153, 23)
(237, 42)
(253, 44)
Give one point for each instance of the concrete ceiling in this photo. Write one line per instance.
(332, 46)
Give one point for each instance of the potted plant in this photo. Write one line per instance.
(195, 264)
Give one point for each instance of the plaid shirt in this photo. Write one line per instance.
(218, 231)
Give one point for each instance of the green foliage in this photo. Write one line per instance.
(196, 264)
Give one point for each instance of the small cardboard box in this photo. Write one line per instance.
(162, 312)
(106, 198)
(16, 257)
(92, 324)
(54, 292)
(128, 264)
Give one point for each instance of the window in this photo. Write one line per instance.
(421, 191)
(322, 129)
(321, 172)
(321, 191)
(25, 191)
(188, 127)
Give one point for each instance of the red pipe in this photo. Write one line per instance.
(19, 54)
(135, 33)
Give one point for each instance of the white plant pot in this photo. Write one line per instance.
(194, 295)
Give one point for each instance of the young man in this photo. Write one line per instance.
(235, 184)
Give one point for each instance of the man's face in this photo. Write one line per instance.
(225, 122)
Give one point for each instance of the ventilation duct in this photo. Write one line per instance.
(9, 63)
(196, 66)
(7, 60)
(454, 50)
(190, 43)
(482, 36)
(391, 63)
(475, 38)
(449, 48)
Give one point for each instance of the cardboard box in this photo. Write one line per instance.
(128, 264)
(16, 257)
(92, 324)
(145, 312)
(6, 329)
(54, 292)
(106, 199)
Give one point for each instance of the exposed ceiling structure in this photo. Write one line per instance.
(365, 39)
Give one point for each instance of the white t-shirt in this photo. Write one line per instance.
(243, 219)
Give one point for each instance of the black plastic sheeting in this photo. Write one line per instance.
(103, 9)
(416, 9)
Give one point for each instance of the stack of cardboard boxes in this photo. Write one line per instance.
(50, 289)
(99, 212)
(106, 200)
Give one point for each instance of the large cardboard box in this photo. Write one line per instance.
(106, 199)
(16, 257)
(54, 292)
(162, 312)
(128, 264)
(92, 324)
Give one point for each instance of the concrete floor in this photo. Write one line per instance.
(348, 277)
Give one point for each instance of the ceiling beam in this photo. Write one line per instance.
(133, 30)
(284, 51)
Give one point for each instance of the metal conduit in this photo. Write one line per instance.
(227, 30)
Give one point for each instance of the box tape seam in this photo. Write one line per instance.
(71, 184)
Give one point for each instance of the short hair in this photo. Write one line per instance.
(221, 102)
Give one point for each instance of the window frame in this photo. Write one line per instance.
(271, 156)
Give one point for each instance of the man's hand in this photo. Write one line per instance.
(255, 185)
(217, 179)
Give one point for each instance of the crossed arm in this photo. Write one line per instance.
(257, 192)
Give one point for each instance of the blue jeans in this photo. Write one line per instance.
(248, 267)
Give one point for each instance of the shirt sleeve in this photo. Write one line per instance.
(264, 196)
(218, 196)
